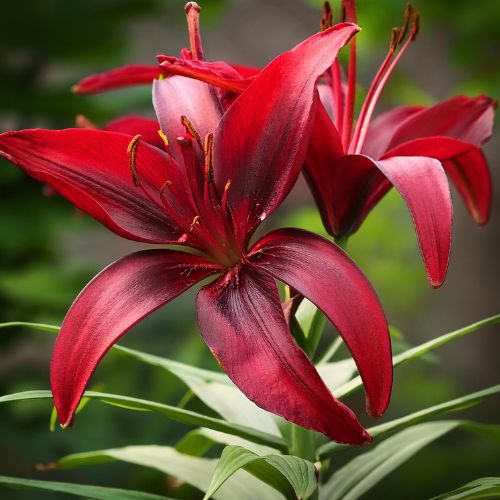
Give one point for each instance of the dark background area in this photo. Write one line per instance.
(49, 251)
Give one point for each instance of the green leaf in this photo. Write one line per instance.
(80, 490)
(454, 405)
(181, 415)
(366, 470)
(420, 350)
(272, 469)
(195, 471)
(486, 487)
(215, 389)
(363, 472)
(337, 373)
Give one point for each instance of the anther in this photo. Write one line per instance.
(208, 148)
(132, 154)
(81, 121)
(195, 221)
(404, 28)
(224, 194)
(189, 128)
(395, 38)
(163, 137)
(415, 26)
(327, 18)
(342, 14)
(166, 185)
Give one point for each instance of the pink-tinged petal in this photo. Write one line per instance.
(220, 74)
(358, 183)
(241, 320)
(134, 74)
(422, 184)
(178, 96)
(464, 163)
(325, 148)
(112, 303)
(464, 118)
(133, 125)
(91, 169)
(261, 142)
(327, 276)
(382, 128)
(471, 176)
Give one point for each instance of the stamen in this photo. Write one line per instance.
(166, 185)
(224, 194)
(189, 128)
(193, 20)
(132, 154)
(208, 148)
(395, 39)
(81, 121)
(342, 13)
(163, 137)
(378, 85)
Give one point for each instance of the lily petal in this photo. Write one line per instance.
(179, 96)
(261, 142)
(134, 74)
(132, 125)
(382, 128)
(91, 169)
(464, 163)
(359, 182)
(112, 303)
(327, 276)
(464, 118)
(241, 320)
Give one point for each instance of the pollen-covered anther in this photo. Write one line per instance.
(395, 39)
(208, 148)
(163, 137)
(190, 128)
(132, 155)
(196, 220)
(224, 194)
(165, 186)
(327, 18)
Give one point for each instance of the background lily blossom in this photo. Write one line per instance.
(218, 176)
(413, 148)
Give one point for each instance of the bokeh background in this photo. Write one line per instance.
(49, 251)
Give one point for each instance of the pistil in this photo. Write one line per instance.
(193, 20)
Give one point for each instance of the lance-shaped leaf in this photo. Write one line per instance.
(486, 487)
(272, 469)
(91, 168)
(112, 303)
(242, 322)
(261, 151)
(79, 490)
(330, 279)
(133, 74)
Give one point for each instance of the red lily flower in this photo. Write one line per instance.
(410, 147)
(219, 176)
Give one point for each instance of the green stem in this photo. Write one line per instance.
(341, 241)
(330, 352)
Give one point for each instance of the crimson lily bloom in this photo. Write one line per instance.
(217, 178)
(411, 147)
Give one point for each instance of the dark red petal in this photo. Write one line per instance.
(325, 148)
(382, 128)
(464, 163)
(464, 118)
(471, 176)
(220, 74)
(91, 169)
(327, 276)
(178, 96)
(422, 184)
(133, 125)
(112, 303)
(134, 74)
(241, 320)
(261, 142)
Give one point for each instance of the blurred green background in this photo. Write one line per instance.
(48, 250)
